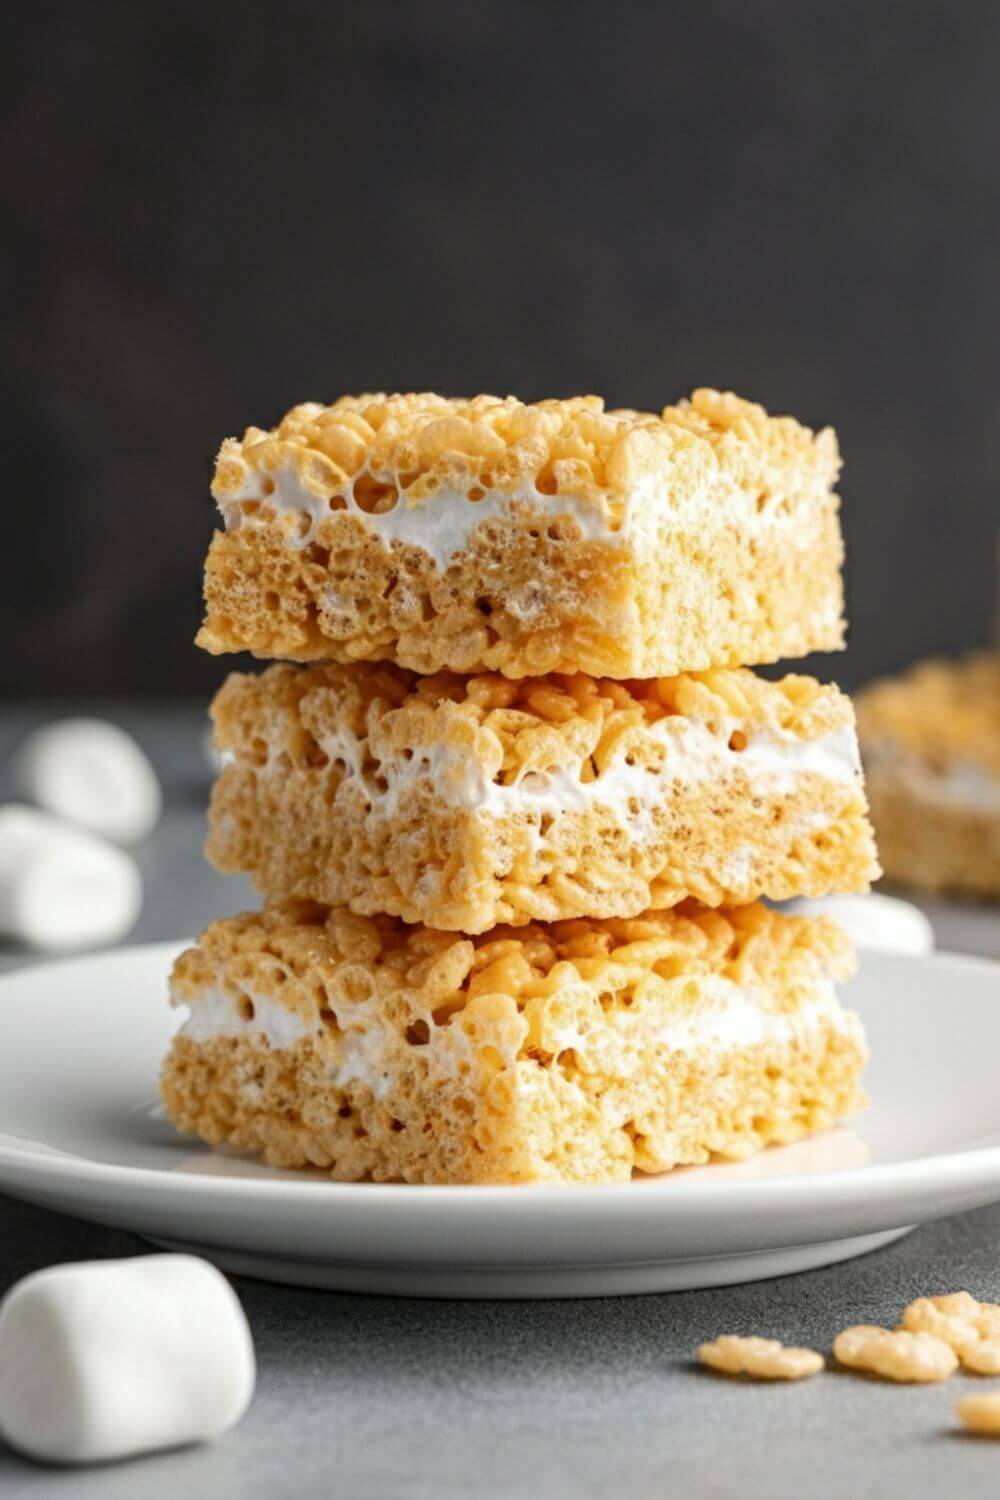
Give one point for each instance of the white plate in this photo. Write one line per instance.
(80, 1047)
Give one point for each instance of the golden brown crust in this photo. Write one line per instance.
(319, 798)
(531, 724)
(520, 1056)
(617, 543)
(750, 945)
(423, 443)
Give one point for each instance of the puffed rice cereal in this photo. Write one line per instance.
(969, 1327)
(895, 1354)
(764, 1359)
(982, 1357)
(980, 1412)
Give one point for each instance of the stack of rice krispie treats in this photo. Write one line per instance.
(513, 798)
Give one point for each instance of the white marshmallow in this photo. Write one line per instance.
(103, 1359)
(60, 887)
(874, 921)
(92, 773)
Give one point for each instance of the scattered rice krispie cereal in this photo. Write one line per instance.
(464, 802)
(971, 1328)
(579, 1051)
(764, 1359)
(982, 1357)
(980, 1412)
(895, 1354)
(931, 746)
(486, 534)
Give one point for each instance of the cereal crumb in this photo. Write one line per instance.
(895, 1354)
(982, 1357)
(764, 1359)
(969, 1327)
(981, 1412)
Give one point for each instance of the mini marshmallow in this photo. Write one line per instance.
(874, 921)
(103, 1359)
(62, 888)
(92, 773)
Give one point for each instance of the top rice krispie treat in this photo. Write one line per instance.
(487, 534)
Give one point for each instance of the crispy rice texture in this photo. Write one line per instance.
(520, 1056)
(311, 803)
(939, 711)
(732, 553)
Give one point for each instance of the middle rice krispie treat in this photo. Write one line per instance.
(576, 1052)
(465, 802)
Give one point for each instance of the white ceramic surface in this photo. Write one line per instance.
(80, 1131)
(885, 923)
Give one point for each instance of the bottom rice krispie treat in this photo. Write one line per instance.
(464, 802)
(931, 746)
(578, 1052)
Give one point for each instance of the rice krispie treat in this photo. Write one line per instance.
(931, 746)
(579, 1052)
(487, 534)
(464, 802)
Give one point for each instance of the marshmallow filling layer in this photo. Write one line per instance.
(442, 523)
(692, 754)
(724, 1017)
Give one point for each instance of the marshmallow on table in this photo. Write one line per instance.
(91, 773)
(103, 1359)
(874, 921)
(60, 887)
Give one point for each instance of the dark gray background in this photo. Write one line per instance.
(215, 210)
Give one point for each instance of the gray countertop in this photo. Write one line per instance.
(365, 1396)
